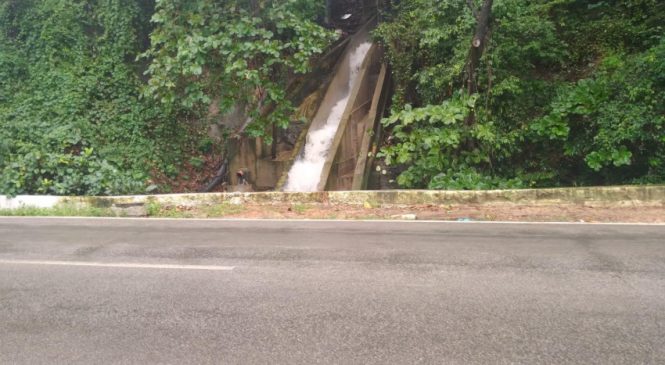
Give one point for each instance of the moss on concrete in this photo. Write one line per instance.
(220, 203)
(606, 196)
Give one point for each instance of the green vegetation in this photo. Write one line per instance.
(60, 210)
(153, 209)
(233, 53)
(300, 208)
(565, 93)
(102, 97)
(156, 209)
(110, 96)
(71, 120)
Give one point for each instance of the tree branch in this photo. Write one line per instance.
(250, 119)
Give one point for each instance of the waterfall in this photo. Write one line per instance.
(305, 173)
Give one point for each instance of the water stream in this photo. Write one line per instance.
(305, 173)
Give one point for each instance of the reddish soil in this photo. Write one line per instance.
(494, 212)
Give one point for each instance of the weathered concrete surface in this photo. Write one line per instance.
(615, 196)
(592, 196)
(36, 201)
(129, 209)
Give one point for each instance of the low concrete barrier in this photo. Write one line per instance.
(614, 196)
(36, 201)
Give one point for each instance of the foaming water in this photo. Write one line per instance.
(305, 173)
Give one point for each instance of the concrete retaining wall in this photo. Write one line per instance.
(615, 196)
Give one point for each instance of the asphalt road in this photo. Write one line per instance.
(252, 292)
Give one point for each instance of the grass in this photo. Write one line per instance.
(155, 209)
(173, 213)
(60, 210)
(221, 210)
(300, 208)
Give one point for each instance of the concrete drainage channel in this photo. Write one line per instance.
(651, 197)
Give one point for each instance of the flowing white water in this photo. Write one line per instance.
(305, 173)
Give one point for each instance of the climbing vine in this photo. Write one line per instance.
(71, 117)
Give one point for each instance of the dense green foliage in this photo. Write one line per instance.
(73, 116)
(71, 121)
(233, 53)
(569, 93)
(108, 96)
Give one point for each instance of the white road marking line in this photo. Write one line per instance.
(119, 265)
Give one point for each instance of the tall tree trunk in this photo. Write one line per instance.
(478, 43)
(477, 47)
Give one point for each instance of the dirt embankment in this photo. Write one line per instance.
(469, 212)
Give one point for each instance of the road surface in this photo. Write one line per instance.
(256, 292)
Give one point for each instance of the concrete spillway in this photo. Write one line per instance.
(305, 174)
(334, 153)
(337, 123)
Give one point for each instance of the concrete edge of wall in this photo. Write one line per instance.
(614, 196)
